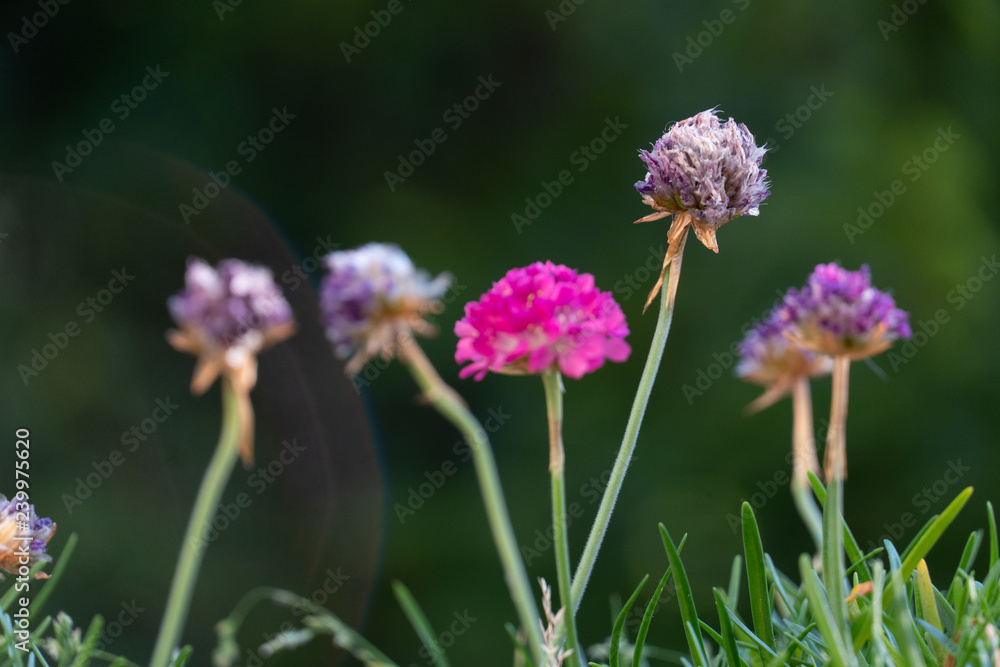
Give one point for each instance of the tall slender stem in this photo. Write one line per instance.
(195, 538)
(446, 401)
(607, 506)
(835, 460)
(804, 458)
(557, 467)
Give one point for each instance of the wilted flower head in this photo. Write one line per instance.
(23, 537)
(227, 315)
(707, 169)
(770, 359)
(839, 313)
(538, 317)
(371, 297)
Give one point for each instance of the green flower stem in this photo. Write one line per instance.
(193, 549)
(804, 459)
(453, 408)
(557, 467)
(600, 527)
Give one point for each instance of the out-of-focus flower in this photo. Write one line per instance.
(705, 173)
(539, 317)
(373, 296)
(768, 358)
(23, 537)
(839, 313)
(227, 315)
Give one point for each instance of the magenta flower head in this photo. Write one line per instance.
(373, 296)
(839, 313)
(539, 317)
(227, 315)
(23, 537)
(768, 358)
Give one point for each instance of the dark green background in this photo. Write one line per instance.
(323, 178)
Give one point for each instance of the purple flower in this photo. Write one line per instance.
(839, 313)
(18, 534)
(768, 358)
(227, 315)
(230, 305)
(707, 169)
(372, 296)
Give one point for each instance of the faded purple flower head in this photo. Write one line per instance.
(767, 356)
(231, 305)
(539, 317)
(24, 536)
(709, 169)
(372, 295)
(838, 312)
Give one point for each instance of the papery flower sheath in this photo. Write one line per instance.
(768, 358)
(23, 536)
(704, 173)
(227, 315)
(839, 313)
(538, 317)
(373, 296)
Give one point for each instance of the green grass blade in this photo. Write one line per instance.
(833, 556)
(420, 623)
(760, 601)
(616, 633)
(89, 641)
(929, 537)
(53, 580)
(824, 617)
(733, 591)
(993, 534)
(519, 645)
(183, 656)
(928, 607)
(851, 545)
(965, 563)
(728, 636)
(647, 618)
(684, 598)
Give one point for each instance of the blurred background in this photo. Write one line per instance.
(136, 135)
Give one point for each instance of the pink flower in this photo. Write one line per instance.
(539, 317)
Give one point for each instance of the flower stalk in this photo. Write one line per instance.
(195, 538)
(835, 460)
(446, 401)
(804, 459)
(552, 381)
(607, 506)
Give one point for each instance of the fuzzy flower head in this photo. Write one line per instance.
(539, 317)
(839, 313)
(706, 169)
(23, 537)
(227, 315)
(372, 296)
(768, 358)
